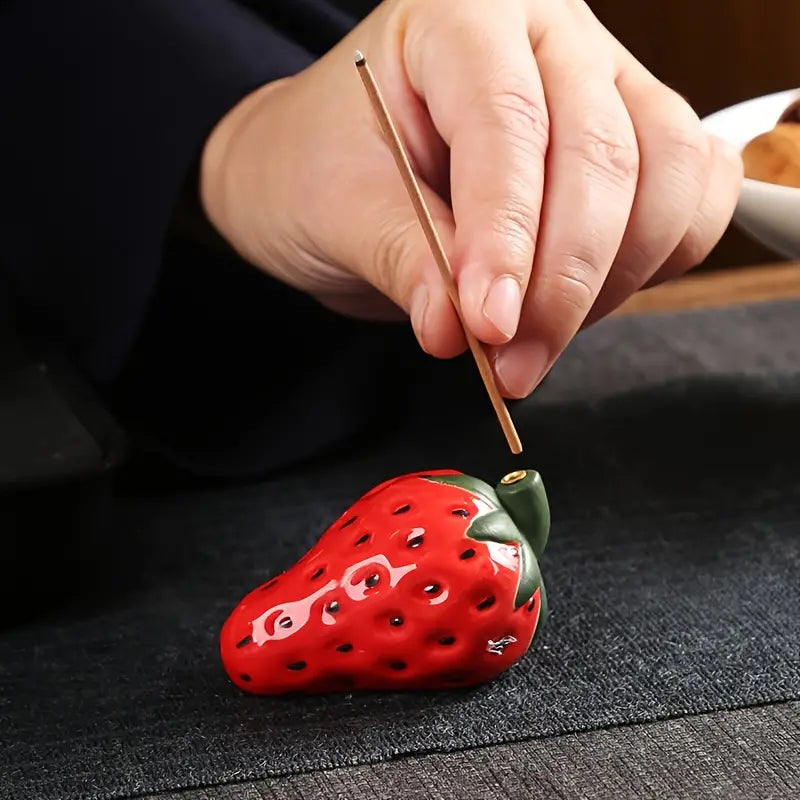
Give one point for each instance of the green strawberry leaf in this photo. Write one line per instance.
(523, 496)
(473, 485)
(520, 515)
(497, 526)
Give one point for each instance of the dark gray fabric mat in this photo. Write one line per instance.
(670, 448)
(749, 754)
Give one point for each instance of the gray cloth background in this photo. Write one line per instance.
(750, 753)
(669, 447)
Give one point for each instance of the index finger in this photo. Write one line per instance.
(478, 78)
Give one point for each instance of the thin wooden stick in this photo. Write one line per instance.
(425, 220)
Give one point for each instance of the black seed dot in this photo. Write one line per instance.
(486, 603)
(396, 621)
(532, 604)
(296, 666)
(372, 580)
(332, 607)
(317, 574)
(433, 588)
(363, 540)
(469, 553)
(345, 648)
(416, 541)
(348, 523)
(286, 622)
(244, 642)
(246, 678)
(447, 640)
(426, 476)
(460, 512)
(402, 509)
(398, 665)
(269, 585)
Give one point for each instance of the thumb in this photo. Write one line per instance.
(388, 249)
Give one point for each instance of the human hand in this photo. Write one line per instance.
(561, 175)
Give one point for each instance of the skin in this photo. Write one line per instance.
(561, 175)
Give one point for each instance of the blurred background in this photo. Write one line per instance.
(715, 53)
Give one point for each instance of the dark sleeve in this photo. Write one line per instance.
(105, 108)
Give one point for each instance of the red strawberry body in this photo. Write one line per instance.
(428, 581)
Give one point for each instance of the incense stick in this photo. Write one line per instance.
(439, 255)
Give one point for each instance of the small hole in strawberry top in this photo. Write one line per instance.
(332, 607)
(345, 648)
(415, 541)
(468, 553)
(285, 622)
(362, 539)
(396, 622)
(318, 573)
(398, 666)
(432, 589)
(372, 580)
(297, 666)
(405, 508)
(348, 523)
(446, 641)
(269, 584)
(460, 512)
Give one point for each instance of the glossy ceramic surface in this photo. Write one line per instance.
(428, 581)
(768, 213)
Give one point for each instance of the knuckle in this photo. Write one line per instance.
(515, 230)
(687, 144)
(611, 152)
(576, 285)
(521, 119)
(678, 135)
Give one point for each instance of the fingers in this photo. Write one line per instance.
(591, 178)
(675, 160)
(478, 77)
(712, 216)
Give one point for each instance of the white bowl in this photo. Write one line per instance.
(767, 212)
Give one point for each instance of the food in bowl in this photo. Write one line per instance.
(792, 113)
(774, 156)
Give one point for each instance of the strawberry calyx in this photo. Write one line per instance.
(520, 515)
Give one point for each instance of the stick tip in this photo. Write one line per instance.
(359, 58)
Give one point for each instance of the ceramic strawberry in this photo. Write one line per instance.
(429, 581)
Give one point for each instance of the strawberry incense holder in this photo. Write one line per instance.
(429, 581)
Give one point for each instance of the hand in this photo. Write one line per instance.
(561, 176)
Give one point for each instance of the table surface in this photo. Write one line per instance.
(754, 284)
(646, 434)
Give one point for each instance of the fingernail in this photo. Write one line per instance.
(417, 310)
(521, 366)
(503, 304)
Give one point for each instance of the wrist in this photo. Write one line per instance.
(221, 168)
